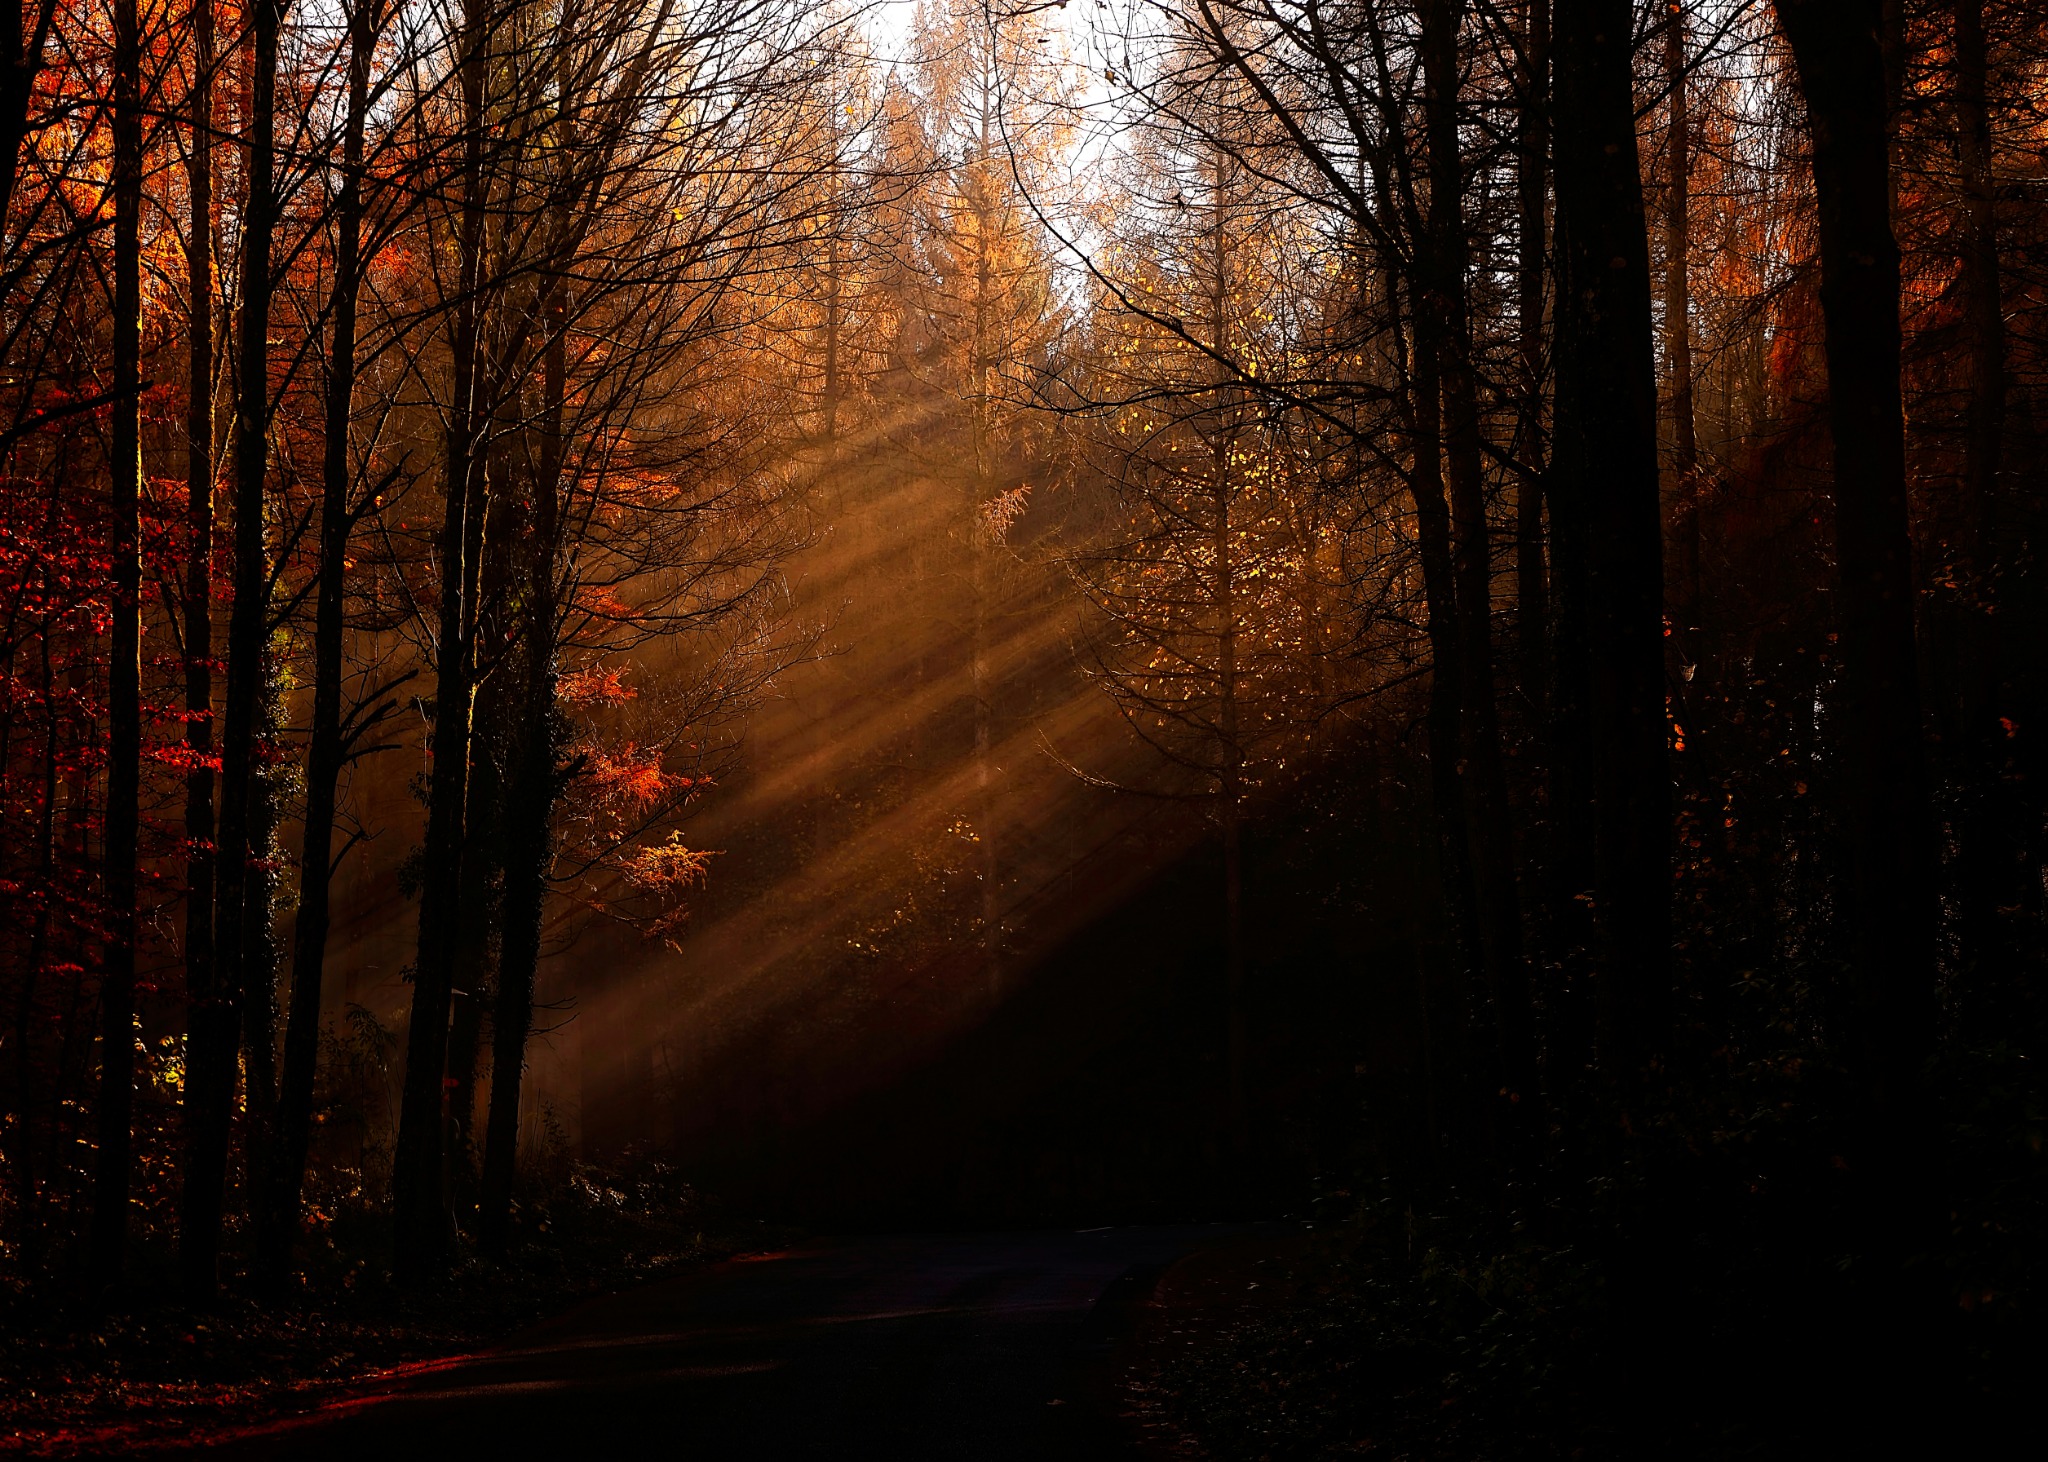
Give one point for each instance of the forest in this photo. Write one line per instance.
(624, 619)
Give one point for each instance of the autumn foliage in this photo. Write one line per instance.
(1589, 458)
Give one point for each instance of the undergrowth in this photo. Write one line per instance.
(80, 1375)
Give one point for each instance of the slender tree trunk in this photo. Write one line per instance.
(1678, 246)
(216, 1021)
(326, 748)
(420, 1200)
(1983, 294)
(21, 62)
(981, 549)
(499, 703)
(1685, 455)
(1888, 910)
(1236, 1049)
(22, 1149)
(1607, 389)
(1532, 185)
(1417, 363)
(17, 1189)
(260, 960)
(1569, 750)
(15, 1148)
(199, 466)
(1433, 539)
(1231, 799)
(1223, 423)
(831, 388)
(1984, 440)
(984, 751)
(530, 807)
(1993, 866)
(124, 674)
(1499, 923)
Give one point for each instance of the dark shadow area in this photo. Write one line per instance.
(1093, 1090)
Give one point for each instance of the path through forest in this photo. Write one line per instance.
(984, 1346)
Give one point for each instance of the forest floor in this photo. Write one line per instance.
(83, 1379)
(1188, 1326)
(1366, 1339)
(1273, 1349)
(1352, 1341)
(1355, 1341)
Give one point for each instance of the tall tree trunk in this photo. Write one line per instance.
(1685, 453)
(500, 693)
(831, 389)
(1417, 360)
(1223, 423)
(124, 673)
(1888, 910)
(530, 806)
(1568, 753)
(1678, 246)
(199, 467)
(1231, 797)
(499, 703)
(981, 550)
(1993, 866)
(22, 1149)
(1983, 294)
(21, 61)
(1532, 188)
(419, 1196)
(1499, 923)
(326, 749)
(260, 958)
(216, 1019)
(1607, 392)
(1444, 716)
(15, 1149)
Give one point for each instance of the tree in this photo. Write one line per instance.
(1685, 455)
(115, 1113)
(1532, 240)
(1992, 862)
(1888, 909)
(1329, 110)
(985, 315)
(335, 736)
(1443, 326)
(200, 466)
(1211, 578)
(582, 432)
(1607, 543)
(421, 1219)
(241, 915)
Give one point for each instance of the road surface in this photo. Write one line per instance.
(981, 1347)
